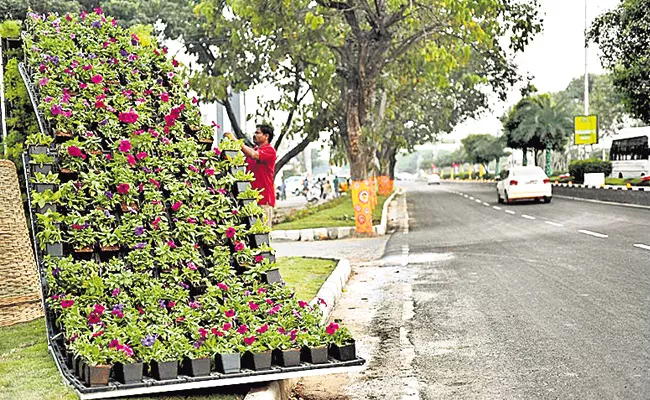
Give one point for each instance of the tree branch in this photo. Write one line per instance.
(287, 123)
(233, 121)
(292, 153)
(336, 5)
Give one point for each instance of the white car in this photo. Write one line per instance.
(524, 183)
(433, 179)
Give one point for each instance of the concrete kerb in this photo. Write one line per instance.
(308, 235)
(330, 292)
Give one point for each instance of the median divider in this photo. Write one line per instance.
(341, 232)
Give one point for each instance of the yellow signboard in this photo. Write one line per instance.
(585, 129)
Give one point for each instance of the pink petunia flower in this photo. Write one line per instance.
(125, 146)
(123, 188)
(332, 328)
(74, 151)
(177, 205)
(229, 313)
(230, 232)
(141, 155)
(253, 306)
(43, 81)
(239, 246)
(249, 340)
(209, 171)
(263, 328)
(259, 258)
(242, 329)
(222, 286)
(67, 303)
(96, 79)
(227, 326)
(164, 97)
(130, 159)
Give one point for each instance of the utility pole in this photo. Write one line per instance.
(2, 101)
(586, 69)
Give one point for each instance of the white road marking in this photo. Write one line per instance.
(497, 208)
(466, 196)
(510, 212)
(553, 223)
(594, 234)
(471, 198)
(486, 204)
(527, 216)
(642, 246)
(405, 255)
(478, 200)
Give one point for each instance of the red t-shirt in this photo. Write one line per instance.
(264, 169)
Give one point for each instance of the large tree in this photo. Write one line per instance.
(539, 123)
(364, 39)
(484, 148)
(623, 35)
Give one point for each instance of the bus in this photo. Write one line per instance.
(630, 154)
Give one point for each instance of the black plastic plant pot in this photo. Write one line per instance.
(234, 170)
(31, 150)
(258, 239)
(69, 361)
(286, 358)
(347, 352)
(13, 43)
(76, 366)
(164, 370)
(272, 276)
(81, 370)
(229, 154)
(43, 187)
(240, 187)
(228, 363)
(97, 375)
(196, 366)
(54, 249)
(268, 256)
(258, 361)
(128, 373)
(45, 208)
(41, 169)
(314, 355)
(245, 202)
(250, 221)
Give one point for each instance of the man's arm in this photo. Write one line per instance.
(250, 152)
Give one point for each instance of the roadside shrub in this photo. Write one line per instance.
(579, 168)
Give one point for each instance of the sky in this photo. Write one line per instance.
(554, 58)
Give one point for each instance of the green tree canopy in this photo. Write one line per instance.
(623, 35)
(483, 148)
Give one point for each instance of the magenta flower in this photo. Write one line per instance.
(261, 290)
(115, 292)
(96, 79)
(177, 205)
(99, 309)
(128, 117)
(43, 81)
(331, 328)
(209, 171)
(259, 258)
(141, 155)
(74, 151)
(93, 318)
(321, 301)
(130, 159)
(164, 97)
(123, 188)
(302, 304)
(191, 266)
(230, 232)
(249, 340)
(239, 246)
(222, 286)
(242, 329)
(55, 109)
(263, 328)
(83, 85)
(253, 306)
(227, 326)
(171, 244)
(230, 313)
(125, 146)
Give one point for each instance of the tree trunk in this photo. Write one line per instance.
(524, 162)
(358, 164)
(393, 164)
(549, 170)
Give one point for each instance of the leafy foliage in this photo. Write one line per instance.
(578, 168)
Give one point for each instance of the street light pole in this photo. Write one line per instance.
(586, 70)
(2, 102)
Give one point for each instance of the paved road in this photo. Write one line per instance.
(476, 300)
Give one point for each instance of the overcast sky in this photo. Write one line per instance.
(554, 58)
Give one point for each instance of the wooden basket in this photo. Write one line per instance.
(20, 293)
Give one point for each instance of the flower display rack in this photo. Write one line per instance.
(156, 269)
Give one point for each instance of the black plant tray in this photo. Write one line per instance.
(184, 382)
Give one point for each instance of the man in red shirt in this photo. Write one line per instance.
(261, 162)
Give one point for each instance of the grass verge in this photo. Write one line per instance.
(334, 213)
(27, 372)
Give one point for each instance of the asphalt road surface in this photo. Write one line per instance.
(524, 301)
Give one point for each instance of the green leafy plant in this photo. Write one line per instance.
(41, 159)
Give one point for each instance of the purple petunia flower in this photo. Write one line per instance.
(140, 245)
(123, 53)
(162, 303)
(109, 194)
(184, 285)
(55, 271)
(139, 231)
(54, 60)
(92, 56)
(96, 24)
(103, 122)
(149, 340)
